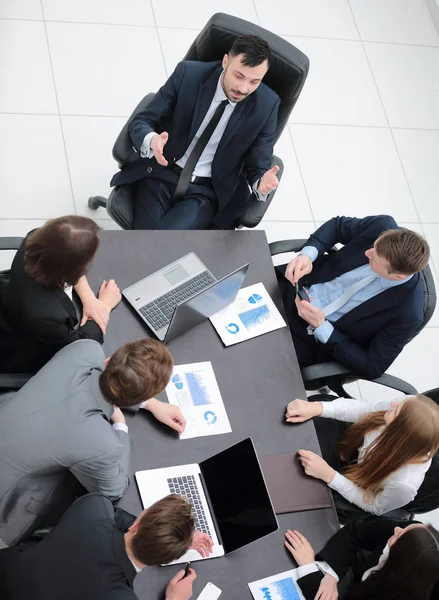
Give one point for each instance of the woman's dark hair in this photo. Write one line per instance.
(254, 48)
(410, 572)
(58, 253)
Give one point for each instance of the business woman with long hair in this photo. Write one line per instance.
(402, 561)
(381, 460)
(37, 314)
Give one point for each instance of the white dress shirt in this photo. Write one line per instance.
(400, 487)
(203, 168)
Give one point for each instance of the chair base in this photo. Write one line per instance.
(96, 202)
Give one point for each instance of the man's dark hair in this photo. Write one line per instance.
(58, 253)
(406, 251)
(254, 48)
(165, 531)
(137, 371)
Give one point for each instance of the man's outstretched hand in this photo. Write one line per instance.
(269, 181)
(157, 144)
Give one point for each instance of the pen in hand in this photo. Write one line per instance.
(186, 569)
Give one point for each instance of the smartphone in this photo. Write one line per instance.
(302, 293)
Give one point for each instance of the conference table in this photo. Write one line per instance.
(257, 379)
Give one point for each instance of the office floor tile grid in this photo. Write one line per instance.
(362, 139)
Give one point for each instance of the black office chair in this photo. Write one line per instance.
(287, 75)
(334, 375)
(427, 498)
(10, 381)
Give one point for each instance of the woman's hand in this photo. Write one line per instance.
(316, 466)
(110, 294)
(95, 309)
(328, 589)
(301, 410)
(299, 547)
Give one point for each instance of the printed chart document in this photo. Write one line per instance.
(253, 313)
(194, 389)
(277, 587)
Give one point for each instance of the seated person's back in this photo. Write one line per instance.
(95, 552)
(367, 298)
(37, 314)
(60, 422)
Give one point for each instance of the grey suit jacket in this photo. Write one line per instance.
(58, 422)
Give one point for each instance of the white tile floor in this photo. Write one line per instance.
(363, 138)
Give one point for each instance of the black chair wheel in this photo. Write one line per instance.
(97, 201)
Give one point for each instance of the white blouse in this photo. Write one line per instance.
(400, 487)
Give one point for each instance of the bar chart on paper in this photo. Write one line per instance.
(195, 390)
(277, 587)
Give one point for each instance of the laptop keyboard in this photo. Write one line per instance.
(186, 486)
(160, 311)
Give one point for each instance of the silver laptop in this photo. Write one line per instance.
(182, 295)
(228, 493)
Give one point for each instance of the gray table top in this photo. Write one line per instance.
(257, 379)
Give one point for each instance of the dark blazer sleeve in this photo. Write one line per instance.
(159, 109)
(258, 157)
(383, 348)
(54, 330)
(342, 230)
(309, 584)
(370, 534)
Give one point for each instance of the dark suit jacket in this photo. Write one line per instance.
(179, 108)
(341, 551)
(82, 558)
(368, 338)
(36, 322)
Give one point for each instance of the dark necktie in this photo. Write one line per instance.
(188, 169)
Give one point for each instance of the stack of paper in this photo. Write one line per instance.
(277, 587)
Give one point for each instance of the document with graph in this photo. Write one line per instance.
(195, 390)
(253, 313)
(277, 587)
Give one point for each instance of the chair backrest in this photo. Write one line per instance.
(429, 298)
(289, 66)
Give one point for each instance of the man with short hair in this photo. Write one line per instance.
(67, 421)
(95, 552)
(205, 141)
(366, 299)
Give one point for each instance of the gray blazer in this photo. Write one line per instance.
(58, 422)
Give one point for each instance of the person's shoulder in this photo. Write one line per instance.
(196, 67)
(93, 506)
(80, 356)
(267, 94)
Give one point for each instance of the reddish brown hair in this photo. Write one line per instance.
(136, 372)
(165, 531)
(58, 253)
(409, 438)
(405, 250)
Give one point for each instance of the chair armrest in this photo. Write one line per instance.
(286, 246)
(331, 369)
(123, 150)
(255, 209)
(13, 381)
(10, 243)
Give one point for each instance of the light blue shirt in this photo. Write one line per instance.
(325, 293)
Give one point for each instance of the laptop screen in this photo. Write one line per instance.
(239, 496)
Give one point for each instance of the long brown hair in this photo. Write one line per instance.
(409, 438)
(411, 571)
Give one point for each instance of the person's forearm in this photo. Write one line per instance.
(83, 289)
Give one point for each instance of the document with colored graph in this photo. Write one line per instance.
(253, 313)
(277, 587)
(195, 390)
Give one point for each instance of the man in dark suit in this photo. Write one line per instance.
(204, 141)
(366, 299)
(96, 551)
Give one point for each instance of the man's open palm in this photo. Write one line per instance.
(269, 181)
(157, 144)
